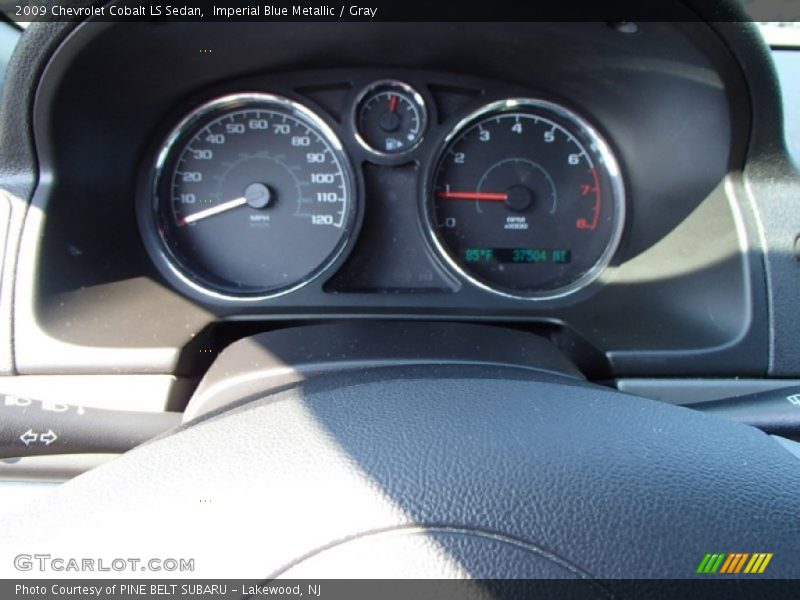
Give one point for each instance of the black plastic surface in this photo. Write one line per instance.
(773, 181)
(279, 359)
(9, 35)
(787, 68)
(681, 391)
(5, 218)
(33, 428)
(775, 411)
(18, 163)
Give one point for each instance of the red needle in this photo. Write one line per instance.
(473, 196)
(393, 103)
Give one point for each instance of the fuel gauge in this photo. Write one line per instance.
(390, 118)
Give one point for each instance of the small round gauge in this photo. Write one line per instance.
(390, 118)
(526, 200)
(253, 197)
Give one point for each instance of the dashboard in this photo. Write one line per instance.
(584, 181)
(254, 194)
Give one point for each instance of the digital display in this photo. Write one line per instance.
(557, 256)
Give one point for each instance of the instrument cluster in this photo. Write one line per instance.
(255, 193)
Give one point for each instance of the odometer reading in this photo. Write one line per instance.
(517, 255)
(526, 200)
(254, 196)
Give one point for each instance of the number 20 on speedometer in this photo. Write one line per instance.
(526, 200)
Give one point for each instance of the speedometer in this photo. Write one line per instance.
(253, 197)
(526, 200)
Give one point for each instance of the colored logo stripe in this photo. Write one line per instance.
(710, 563)
(734, 562)
(758, 563)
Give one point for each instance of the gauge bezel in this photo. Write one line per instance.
(415, 96)
(601, 148)
(172, 266)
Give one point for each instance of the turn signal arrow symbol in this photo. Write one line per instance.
(48, 438)
(31, 437)
(28, 437)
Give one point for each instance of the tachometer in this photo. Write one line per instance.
(526, 200)
(253, 197)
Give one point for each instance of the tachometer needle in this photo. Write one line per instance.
(490, 197)
(214, 210)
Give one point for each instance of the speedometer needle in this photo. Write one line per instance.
(491, 197)
(214, 210)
